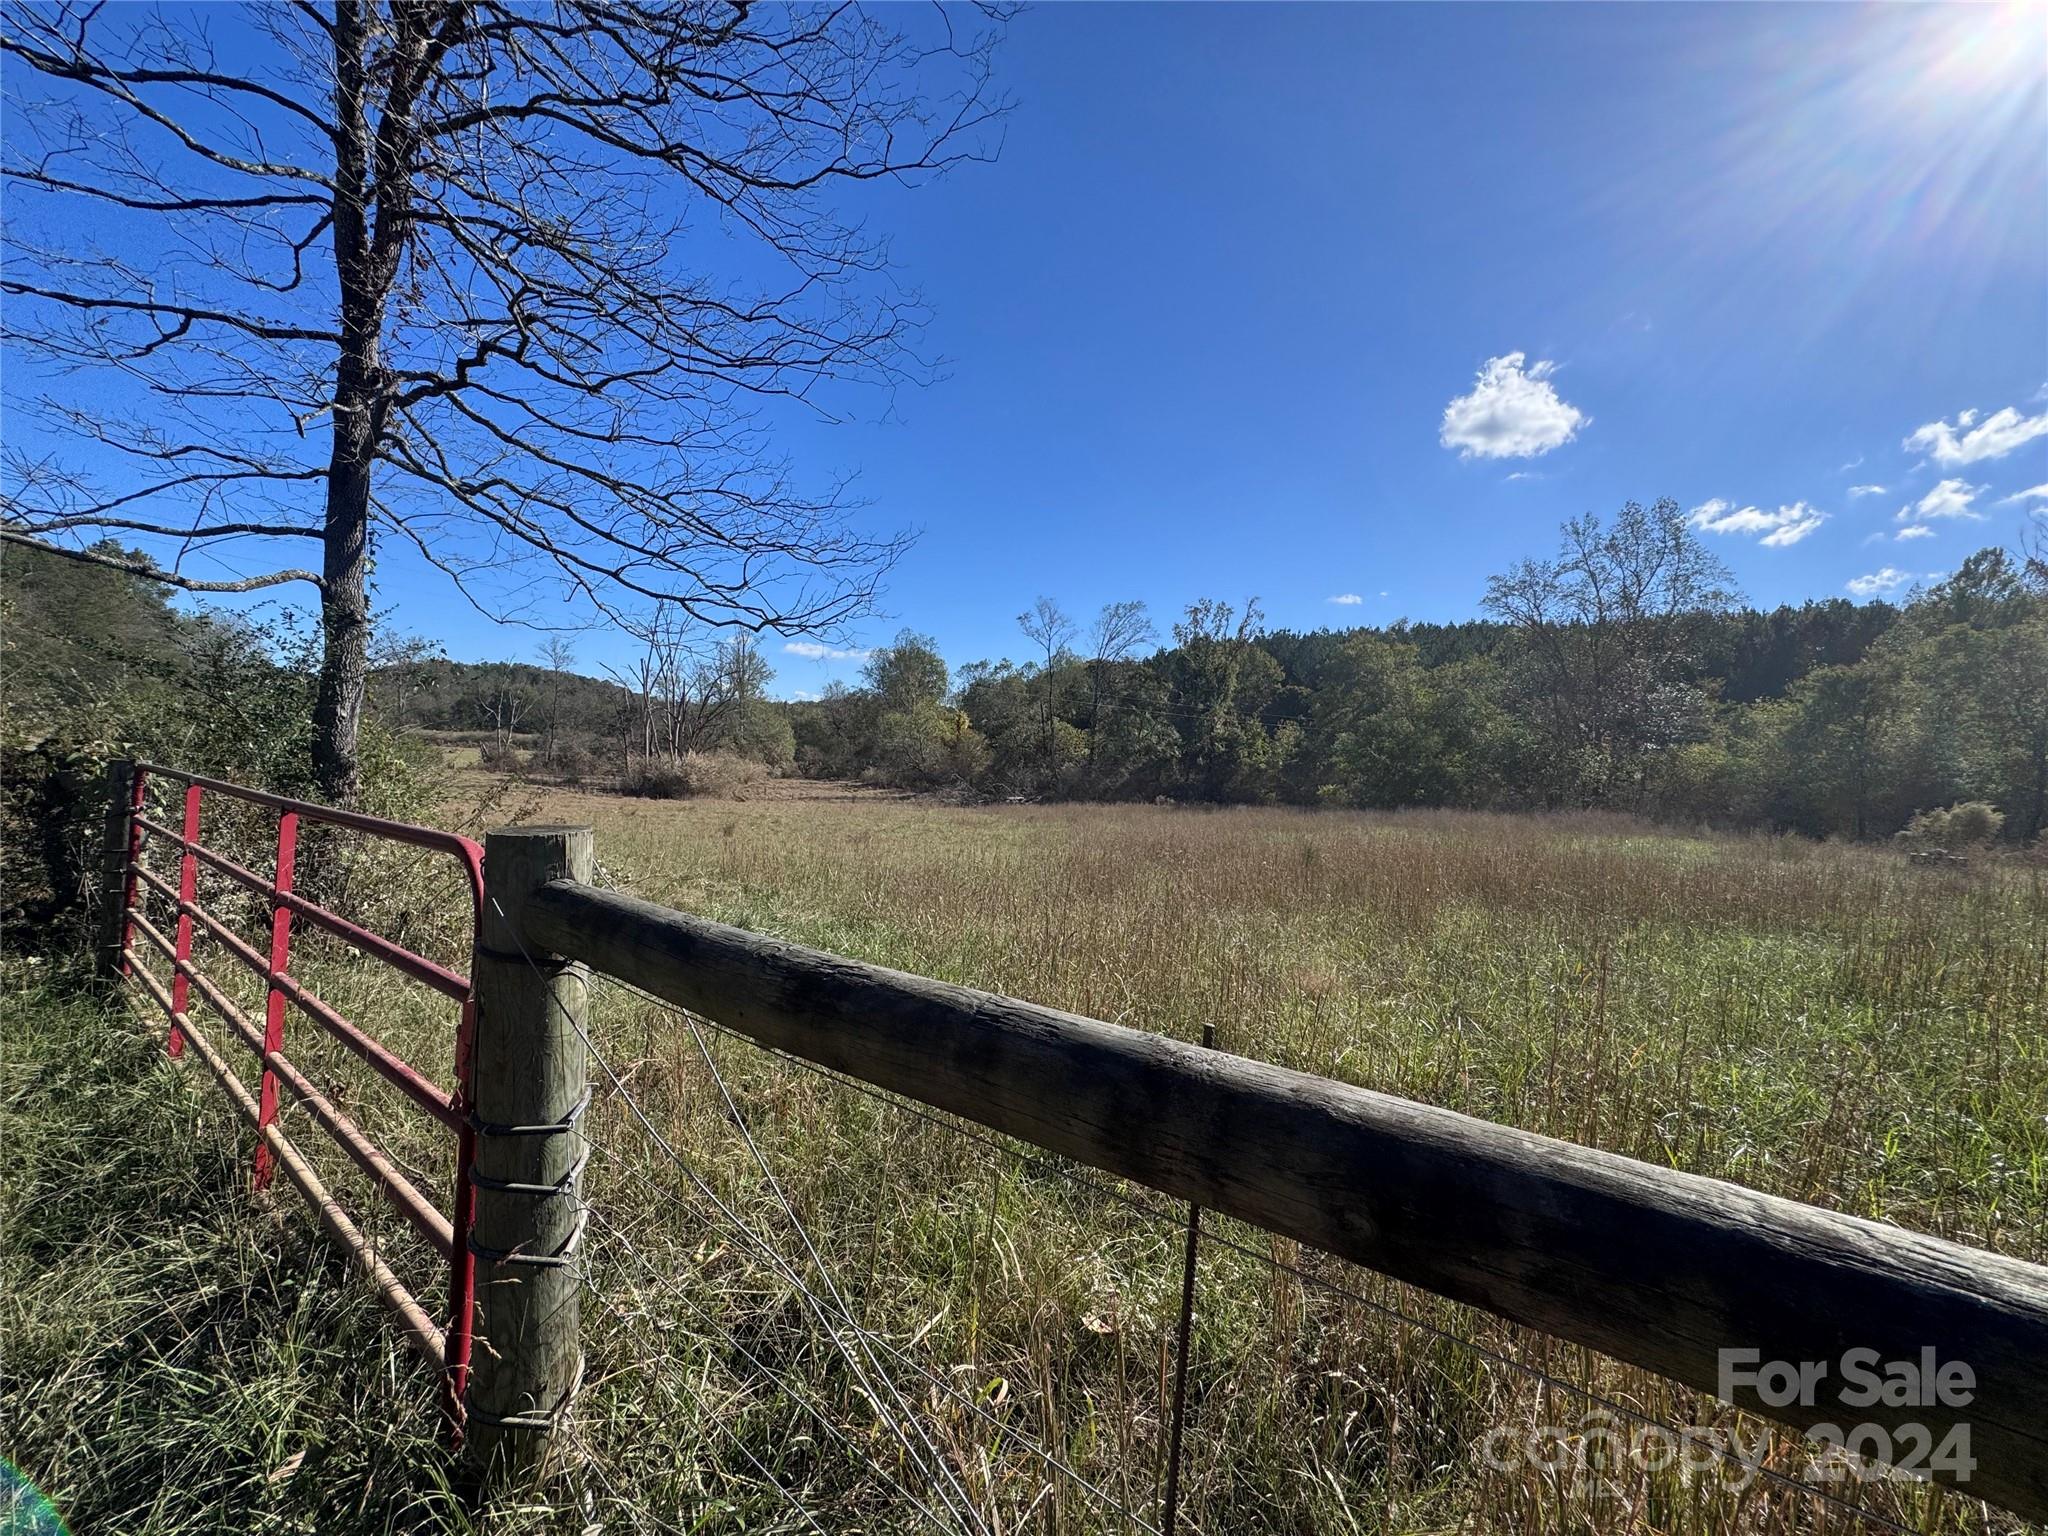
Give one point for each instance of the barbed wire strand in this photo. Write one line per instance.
(814, 1303)
(596, 1463)
(818, 1263)
(732, 1434)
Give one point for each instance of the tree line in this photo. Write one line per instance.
(1622, 671)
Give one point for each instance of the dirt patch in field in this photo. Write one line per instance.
(474, 781)
(825, 789)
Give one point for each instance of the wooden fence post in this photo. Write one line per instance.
(531, 1082)
(115, 881)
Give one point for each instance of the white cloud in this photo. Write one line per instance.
(1348, 599)
(1966, 440)
(1917, 531)
(1950, 498)
(1890, 579)
(1786, 526)
(811, 650)
(1709, 513)
(1513, 412)
(2031, 493)
(1525, 474)
(1855, 463)
(804, 696)
(1866, 490)
(1787, 534)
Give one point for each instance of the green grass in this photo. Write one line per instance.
(1816, 1021)
(176, 1358)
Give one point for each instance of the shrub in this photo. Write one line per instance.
(217, 694)
(1974, 821)
(1957, 826)
(928, 745)
(501, 756)
(1927, 829)
(655, 778)
(574, 762)
(765, 734)
(717, 774)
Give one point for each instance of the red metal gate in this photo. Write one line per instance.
(447, 1345)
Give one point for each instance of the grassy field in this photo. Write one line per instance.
(1821, 1022)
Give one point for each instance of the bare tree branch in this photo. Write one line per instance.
(141, 566)
(493, 252)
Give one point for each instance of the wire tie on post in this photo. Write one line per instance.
(539, 1418)
(561, 1258)
(552, 1128)
(561, 1186)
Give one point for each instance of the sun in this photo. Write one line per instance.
(1967, 52)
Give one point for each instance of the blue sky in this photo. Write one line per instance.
(1316, 301)
(1211, 306)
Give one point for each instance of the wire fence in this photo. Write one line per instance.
(883, 1315)
(819, 1305)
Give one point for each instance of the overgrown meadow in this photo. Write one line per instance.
(1818, 1021)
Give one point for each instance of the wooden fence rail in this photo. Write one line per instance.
(1661, 1269)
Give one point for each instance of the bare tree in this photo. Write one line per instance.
(1119, 629)
(664, 668)
(399, 658)
(500, 282)
(501, 708)
(1047, 627)
(692, 687)
(641, 680)
(718, 691)
(558, 657)
(1604, 630)
(2034, 547)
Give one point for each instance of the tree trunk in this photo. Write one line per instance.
(344, 613)
(1094, 717)
(2038, 812)
(358, 421)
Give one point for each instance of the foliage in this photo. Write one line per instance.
(716, 774)
(927, 745)
(1606, 634)
(1615, 674)
(440, 695)
(1955, 826)
(101, 666)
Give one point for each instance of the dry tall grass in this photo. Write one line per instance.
(1820, 1022)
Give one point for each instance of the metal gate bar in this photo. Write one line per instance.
(447, 1345)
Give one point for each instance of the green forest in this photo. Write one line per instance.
(1621, 671)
